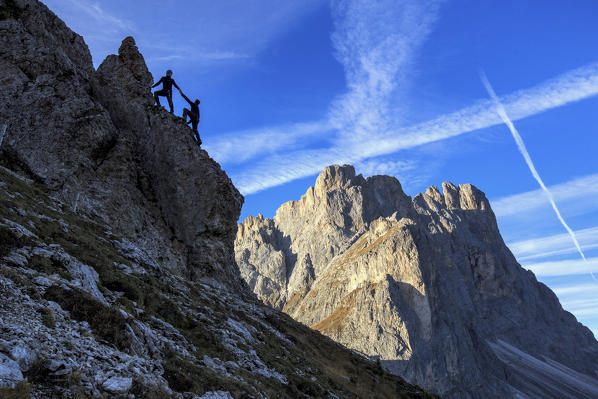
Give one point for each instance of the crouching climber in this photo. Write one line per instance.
(193, 115)
(167, 83)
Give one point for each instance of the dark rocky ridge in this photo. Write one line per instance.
(426, 284)
(116, 245)
(95, 136)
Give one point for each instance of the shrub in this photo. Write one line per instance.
(48, 317)
(9, 241)
(106, 322)
(20, 391)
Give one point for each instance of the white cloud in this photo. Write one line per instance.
(563, 267)
(585, 187)
(376, 43)
(238, 147)
(569, 87)
(199, 32)
(572, 290)
(582, 307)
(107, 21)
(191, 54)
(559, 244)
(101, 29)
(383, 167)
(580, 299)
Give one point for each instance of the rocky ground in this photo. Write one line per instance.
(85, 313)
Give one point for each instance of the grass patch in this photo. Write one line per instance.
(184, 375)
(106, 322)
(48, 317)
(9, 241)
(310, 352)
(49, 266)
(141, 390)
(20, 391)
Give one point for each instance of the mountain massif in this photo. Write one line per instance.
(117, 268)
(425, 284)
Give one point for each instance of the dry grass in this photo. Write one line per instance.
(294, 300)
(20, 391)
(335, 319)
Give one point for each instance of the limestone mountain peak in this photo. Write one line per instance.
(132, 58)
(425, 284)
(337, 177)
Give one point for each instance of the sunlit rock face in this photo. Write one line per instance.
(426, 284)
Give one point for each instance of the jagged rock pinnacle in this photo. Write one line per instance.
(132, 58)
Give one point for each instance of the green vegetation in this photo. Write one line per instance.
(48, 317)
(377, 367)
(9, 240)
(49, 266)
(106, 322)
(20, 391)
(148, 392)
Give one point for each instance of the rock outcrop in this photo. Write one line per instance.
(116, 244)
(95, 139)
(425, 284)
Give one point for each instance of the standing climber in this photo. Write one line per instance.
(193, 115)
(167, 83)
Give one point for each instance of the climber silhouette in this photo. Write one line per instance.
(193, 115)
(167, 83)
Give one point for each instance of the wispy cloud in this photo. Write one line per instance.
(573, 290)
(528, 160)
(579, 299)
(106, 20)
(198, 25)
(375, 42)
(190, 54)
(101, 29)
(384, 167)
(563, 267)
(586, 307)
(585, 187)
(238, 147)
(574, 85)
(554, 245)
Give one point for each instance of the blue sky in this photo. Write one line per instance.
(392, 87)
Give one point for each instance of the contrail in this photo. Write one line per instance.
(521, 145)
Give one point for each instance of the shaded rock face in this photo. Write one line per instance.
(426, 284)
(96, 140)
